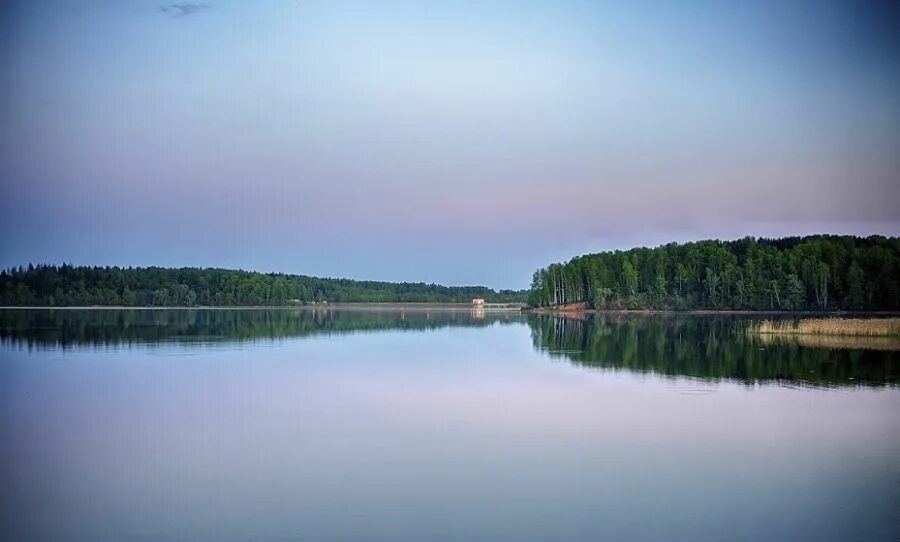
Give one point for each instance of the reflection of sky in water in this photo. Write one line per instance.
(456, 433)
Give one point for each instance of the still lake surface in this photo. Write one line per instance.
(438, 425)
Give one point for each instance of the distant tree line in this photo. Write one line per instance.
(821, 272)
(68, 285)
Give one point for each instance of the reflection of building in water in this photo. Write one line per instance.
(478, 302)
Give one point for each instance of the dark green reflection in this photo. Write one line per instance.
(106, 327)
(711, 347)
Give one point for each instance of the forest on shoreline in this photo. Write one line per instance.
(84, 286)
(813, 273)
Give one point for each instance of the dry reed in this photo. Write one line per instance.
(856, 327)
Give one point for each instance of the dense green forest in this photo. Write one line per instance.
(821, 272)
(67, 285)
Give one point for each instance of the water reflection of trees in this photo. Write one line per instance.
(106, 327)
(714, 347)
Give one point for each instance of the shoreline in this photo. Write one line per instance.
(460, 307)
(704, 312)
(421, 306)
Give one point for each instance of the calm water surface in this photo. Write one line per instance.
(356, 425)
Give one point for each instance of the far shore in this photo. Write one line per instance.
(462, 307)
(421, 306)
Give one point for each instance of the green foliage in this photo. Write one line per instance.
(821, 272)
(67, 285)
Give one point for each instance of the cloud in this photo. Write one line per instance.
(183, 10)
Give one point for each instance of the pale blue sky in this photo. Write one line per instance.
(463, 142)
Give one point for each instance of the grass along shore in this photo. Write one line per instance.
(855, 327)
(853, 333)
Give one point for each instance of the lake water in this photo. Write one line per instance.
(360, 425)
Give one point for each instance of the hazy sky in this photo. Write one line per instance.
(450, 142)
